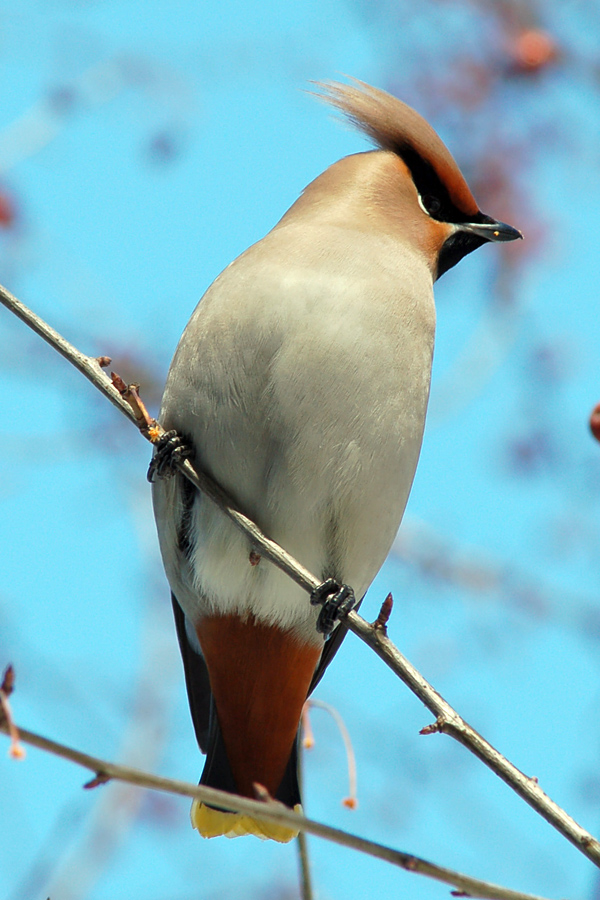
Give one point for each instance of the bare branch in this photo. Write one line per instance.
(351, 801)
(6, 689)
(448, 720)
(272, 811)
(304, 865)
(87, 365)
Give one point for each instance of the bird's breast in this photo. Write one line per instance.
(309, 386)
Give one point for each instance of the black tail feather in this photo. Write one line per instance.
(217, 771)
(196, 679)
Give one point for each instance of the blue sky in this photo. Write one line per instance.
(143, 147)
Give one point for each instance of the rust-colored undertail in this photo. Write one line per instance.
(259, 677)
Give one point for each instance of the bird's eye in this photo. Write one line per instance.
(431, 204)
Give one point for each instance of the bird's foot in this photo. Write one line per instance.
(335, 599)
(169, 450)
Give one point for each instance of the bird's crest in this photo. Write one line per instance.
(393, 125)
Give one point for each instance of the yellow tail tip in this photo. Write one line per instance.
(215, 822)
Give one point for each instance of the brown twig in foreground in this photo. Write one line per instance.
(6, 689)
(448, 720)
(304, 867)
(273, 812)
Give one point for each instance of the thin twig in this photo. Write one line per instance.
(87, 365)
(273, 812)
(448, 720)
(306, 888)
(6, 689)
(351, 801)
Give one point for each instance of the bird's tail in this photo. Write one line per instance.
(213, 822)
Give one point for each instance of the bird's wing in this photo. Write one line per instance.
(217, 772)
(196, 679)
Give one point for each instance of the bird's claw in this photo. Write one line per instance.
(335, 600)
(169, 450)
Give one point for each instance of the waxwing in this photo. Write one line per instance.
(300, 385)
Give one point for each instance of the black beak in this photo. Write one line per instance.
(468, 236)
(491, 231)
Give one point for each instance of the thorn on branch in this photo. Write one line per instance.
(130, 393)
(261, 793)
(385, 612)
(16, 749)
(436, 727)
(118, 383)
(8, 681)
(99, 778)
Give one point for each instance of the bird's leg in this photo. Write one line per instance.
(335, 599)
(169, 449)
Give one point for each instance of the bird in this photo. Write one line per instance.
(300, 385)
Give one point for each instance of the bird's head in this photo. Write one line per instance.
(456, 224)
